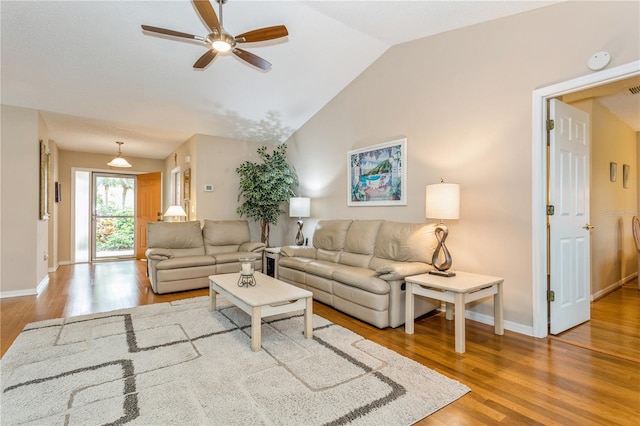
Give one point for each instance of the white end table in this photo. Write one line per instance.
(272, 253)
(458, 290)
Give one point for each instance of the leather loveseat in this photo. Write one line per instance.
(182, 255)
(359, 266)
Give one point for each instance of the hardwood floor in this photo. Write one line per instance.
(614, 327)
(514, 379)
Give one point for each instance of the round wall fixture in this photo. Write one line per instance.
(599, 61)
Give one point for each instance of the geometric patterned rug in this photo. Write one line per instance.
(179, 363)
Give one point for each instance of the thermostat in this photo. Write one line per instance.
(208, 188)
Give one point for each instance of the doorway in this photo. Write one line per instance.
(113, 216)
(92, 241)
(539, 179)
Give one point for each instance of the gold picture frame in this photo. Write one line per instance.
(45, 164)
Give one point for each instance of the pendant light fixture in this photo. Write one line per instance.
(119, 161)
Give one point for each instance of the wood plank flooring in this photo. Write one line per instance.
(514, 379)
(614, 327)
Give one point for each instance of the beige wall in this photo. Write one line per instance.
(69, 160)
(22, 234)
(463, 99)
(214, 161)
(613, 254)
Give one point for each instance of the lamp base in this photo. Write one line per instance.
(299, 236)
(447, 273)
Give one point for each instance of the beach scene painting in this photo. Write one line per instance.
(377, 175)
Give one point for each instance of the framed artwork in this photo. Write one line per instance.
(45, 162)
(377, 175)
(626, 170)
(187, 184)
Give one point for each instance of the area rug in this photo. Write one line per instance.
(180, 363)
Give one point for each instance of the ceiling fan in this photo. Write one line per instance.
(220, 41)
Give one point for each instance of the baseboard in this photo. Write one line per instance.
(630, 278)
(28, 292)
(527, 330)
(18, 293)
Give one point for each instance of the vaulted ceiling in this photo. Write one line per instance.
(97, 77)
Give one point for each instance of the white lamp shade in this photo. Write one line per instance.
(299, 207)
(118, 162)
(175, 211)
(443, 201)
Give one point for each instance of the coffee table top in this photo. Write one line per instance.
(267, 290)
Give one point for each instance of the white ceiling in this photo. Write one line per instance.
(98, 78)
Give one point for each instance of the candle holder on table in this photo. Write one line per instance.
(247, 268)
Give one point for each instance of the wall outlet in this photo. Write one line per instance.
(208, 188)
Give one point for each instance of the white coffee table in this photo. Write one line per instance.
(458, 290)
(268, 297)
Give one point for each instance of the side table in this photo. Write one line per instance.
(271, 257)
(458, 290)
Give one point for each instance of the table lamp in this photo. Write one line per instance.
(299, 207)
(176, 212)
(442, 202)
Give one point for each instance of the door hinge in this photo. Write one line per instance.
(550, 210)
(551, 124)
(551, 296)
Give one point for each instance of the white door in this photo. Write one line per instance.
(569, 262)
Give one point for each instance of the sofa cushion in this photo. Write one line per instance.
(298, 251)
(297, 263)
(235, 257)
(330, 234)
(183, 238)
(185, 262)
(361, 236)
(224, 236)
(406, 242)
(354, 259)
(362, 278)
(322, 268)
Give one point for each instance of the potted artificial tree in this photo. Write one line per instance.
(264, 187)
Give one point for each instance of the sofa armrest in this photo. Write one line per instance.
(159, 253)
(399, 270)
(255, 246)
(298, 251)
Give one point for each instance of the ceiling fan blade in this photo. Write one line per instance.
(170, 32)
(262, 34)
(205, 59)
(208, 15)
(252, 59)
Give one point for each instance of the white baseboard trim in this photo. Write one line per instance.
(18, 293)
(527, 330)
(43, 284)
(65, 262)
(55, 268)
(28, 292)
(613, 287)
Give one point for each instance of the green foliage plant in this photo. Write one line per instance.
(265, 187)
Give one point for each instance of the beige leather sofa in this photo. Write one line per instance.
(358, 267)
(182, 255)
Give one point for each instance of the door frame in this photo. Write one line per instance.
(539, 178)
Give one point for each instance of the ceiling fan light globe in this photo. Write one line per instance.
(221, 46)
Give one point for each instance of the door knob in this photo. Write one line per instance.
(588, 227)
